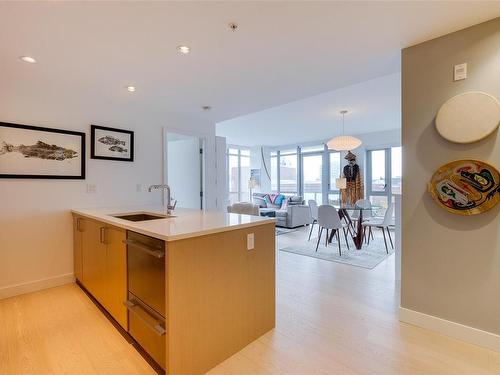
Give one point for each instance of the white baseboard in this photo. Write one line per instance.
(456, 330)
(33, 286)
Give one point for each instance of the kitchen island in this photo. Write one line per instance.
(191, 289)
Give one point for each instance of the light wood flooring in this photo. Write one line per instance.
(331, 319)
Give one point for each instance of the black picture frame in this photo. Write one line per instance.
(93, 154)
(80, 176)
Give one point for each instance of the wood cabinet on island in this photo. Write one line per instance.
(218, 274)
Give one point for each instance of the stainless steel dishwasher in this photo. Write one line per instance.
(146, 293)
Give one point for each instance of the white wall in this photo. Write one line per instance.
(183, 173)
(35, 221)
(450, 263)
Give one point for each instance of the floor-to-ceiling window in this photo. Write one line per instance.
(312, 173)
(238, 162)
(288, 172)
(307, 171)
(274, 172)
(334, 174)
(383, 175)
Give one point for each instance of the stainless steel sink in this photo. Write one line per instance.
(141, 216)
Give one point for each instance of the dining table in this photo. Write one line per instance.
(356, 232)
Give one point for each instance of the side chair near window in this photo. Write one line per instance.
(329, 219)
(382, 224)
(313, 206)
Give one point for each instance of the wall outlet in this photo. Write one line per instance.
(250, 241)
(91, 189)
(460, 72)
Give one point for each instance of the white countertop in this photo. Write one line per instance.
(186, 223)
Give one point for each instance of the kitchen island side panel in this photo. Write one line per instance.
(220, 296)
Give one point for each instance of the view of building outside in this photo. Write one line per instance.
(378, 170)
(288, 172)
(335, 171)
(379, 175)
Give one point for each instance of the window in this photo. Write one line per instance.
(274, 172)
(238, 162)
(288, 172)
(306, 171)
(312, 179)
(396, 170)
(383, 173)
(377, 167)
(335, 171)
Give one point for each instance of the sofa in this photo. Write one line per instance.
(290, 212)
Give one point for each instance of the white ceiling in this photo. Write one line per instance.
(372, 106)
(88, 52)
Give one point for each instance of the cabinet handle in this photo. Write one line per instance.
(139, 311)
(102, 235)
(156, 253)
(78, 227)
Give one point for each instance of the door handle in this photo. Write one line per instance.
(145, 316)
(153, 252)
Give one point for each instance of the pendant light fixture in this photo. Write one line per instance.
(343, 142)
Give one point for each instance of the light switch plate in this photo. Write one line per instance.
(91, 189)
(460, 72)
(250, 241)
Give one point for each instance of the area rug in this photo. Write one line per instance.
(280, 231)
(368, 257)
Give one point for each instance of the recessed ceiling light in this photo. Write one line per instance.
(131, 88)
(28, 59)
(183, 49)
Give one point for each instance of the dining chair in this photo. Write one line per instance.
(382, 224)
(329, 219)
(365, 204)
(313, 206)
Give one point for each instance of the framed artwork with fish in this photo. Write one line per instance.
(43, 153)
(466, 187)
(111, 143)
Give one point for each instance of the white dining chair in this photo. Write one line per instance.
(313, 206)
(329, 219)
(382, 224)
(366, 205)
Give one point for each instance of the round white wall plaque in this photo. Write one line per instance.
(468, 117)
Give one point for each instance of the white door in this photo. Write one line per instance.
(184, 169)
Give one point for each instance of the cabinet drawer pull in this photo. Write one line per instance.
(156, 253)
(102, 235)
(145, 316)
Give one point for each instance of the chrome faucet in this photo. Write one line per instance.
(168, 200)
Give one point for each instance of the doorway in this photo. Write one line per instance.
(184, 172)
